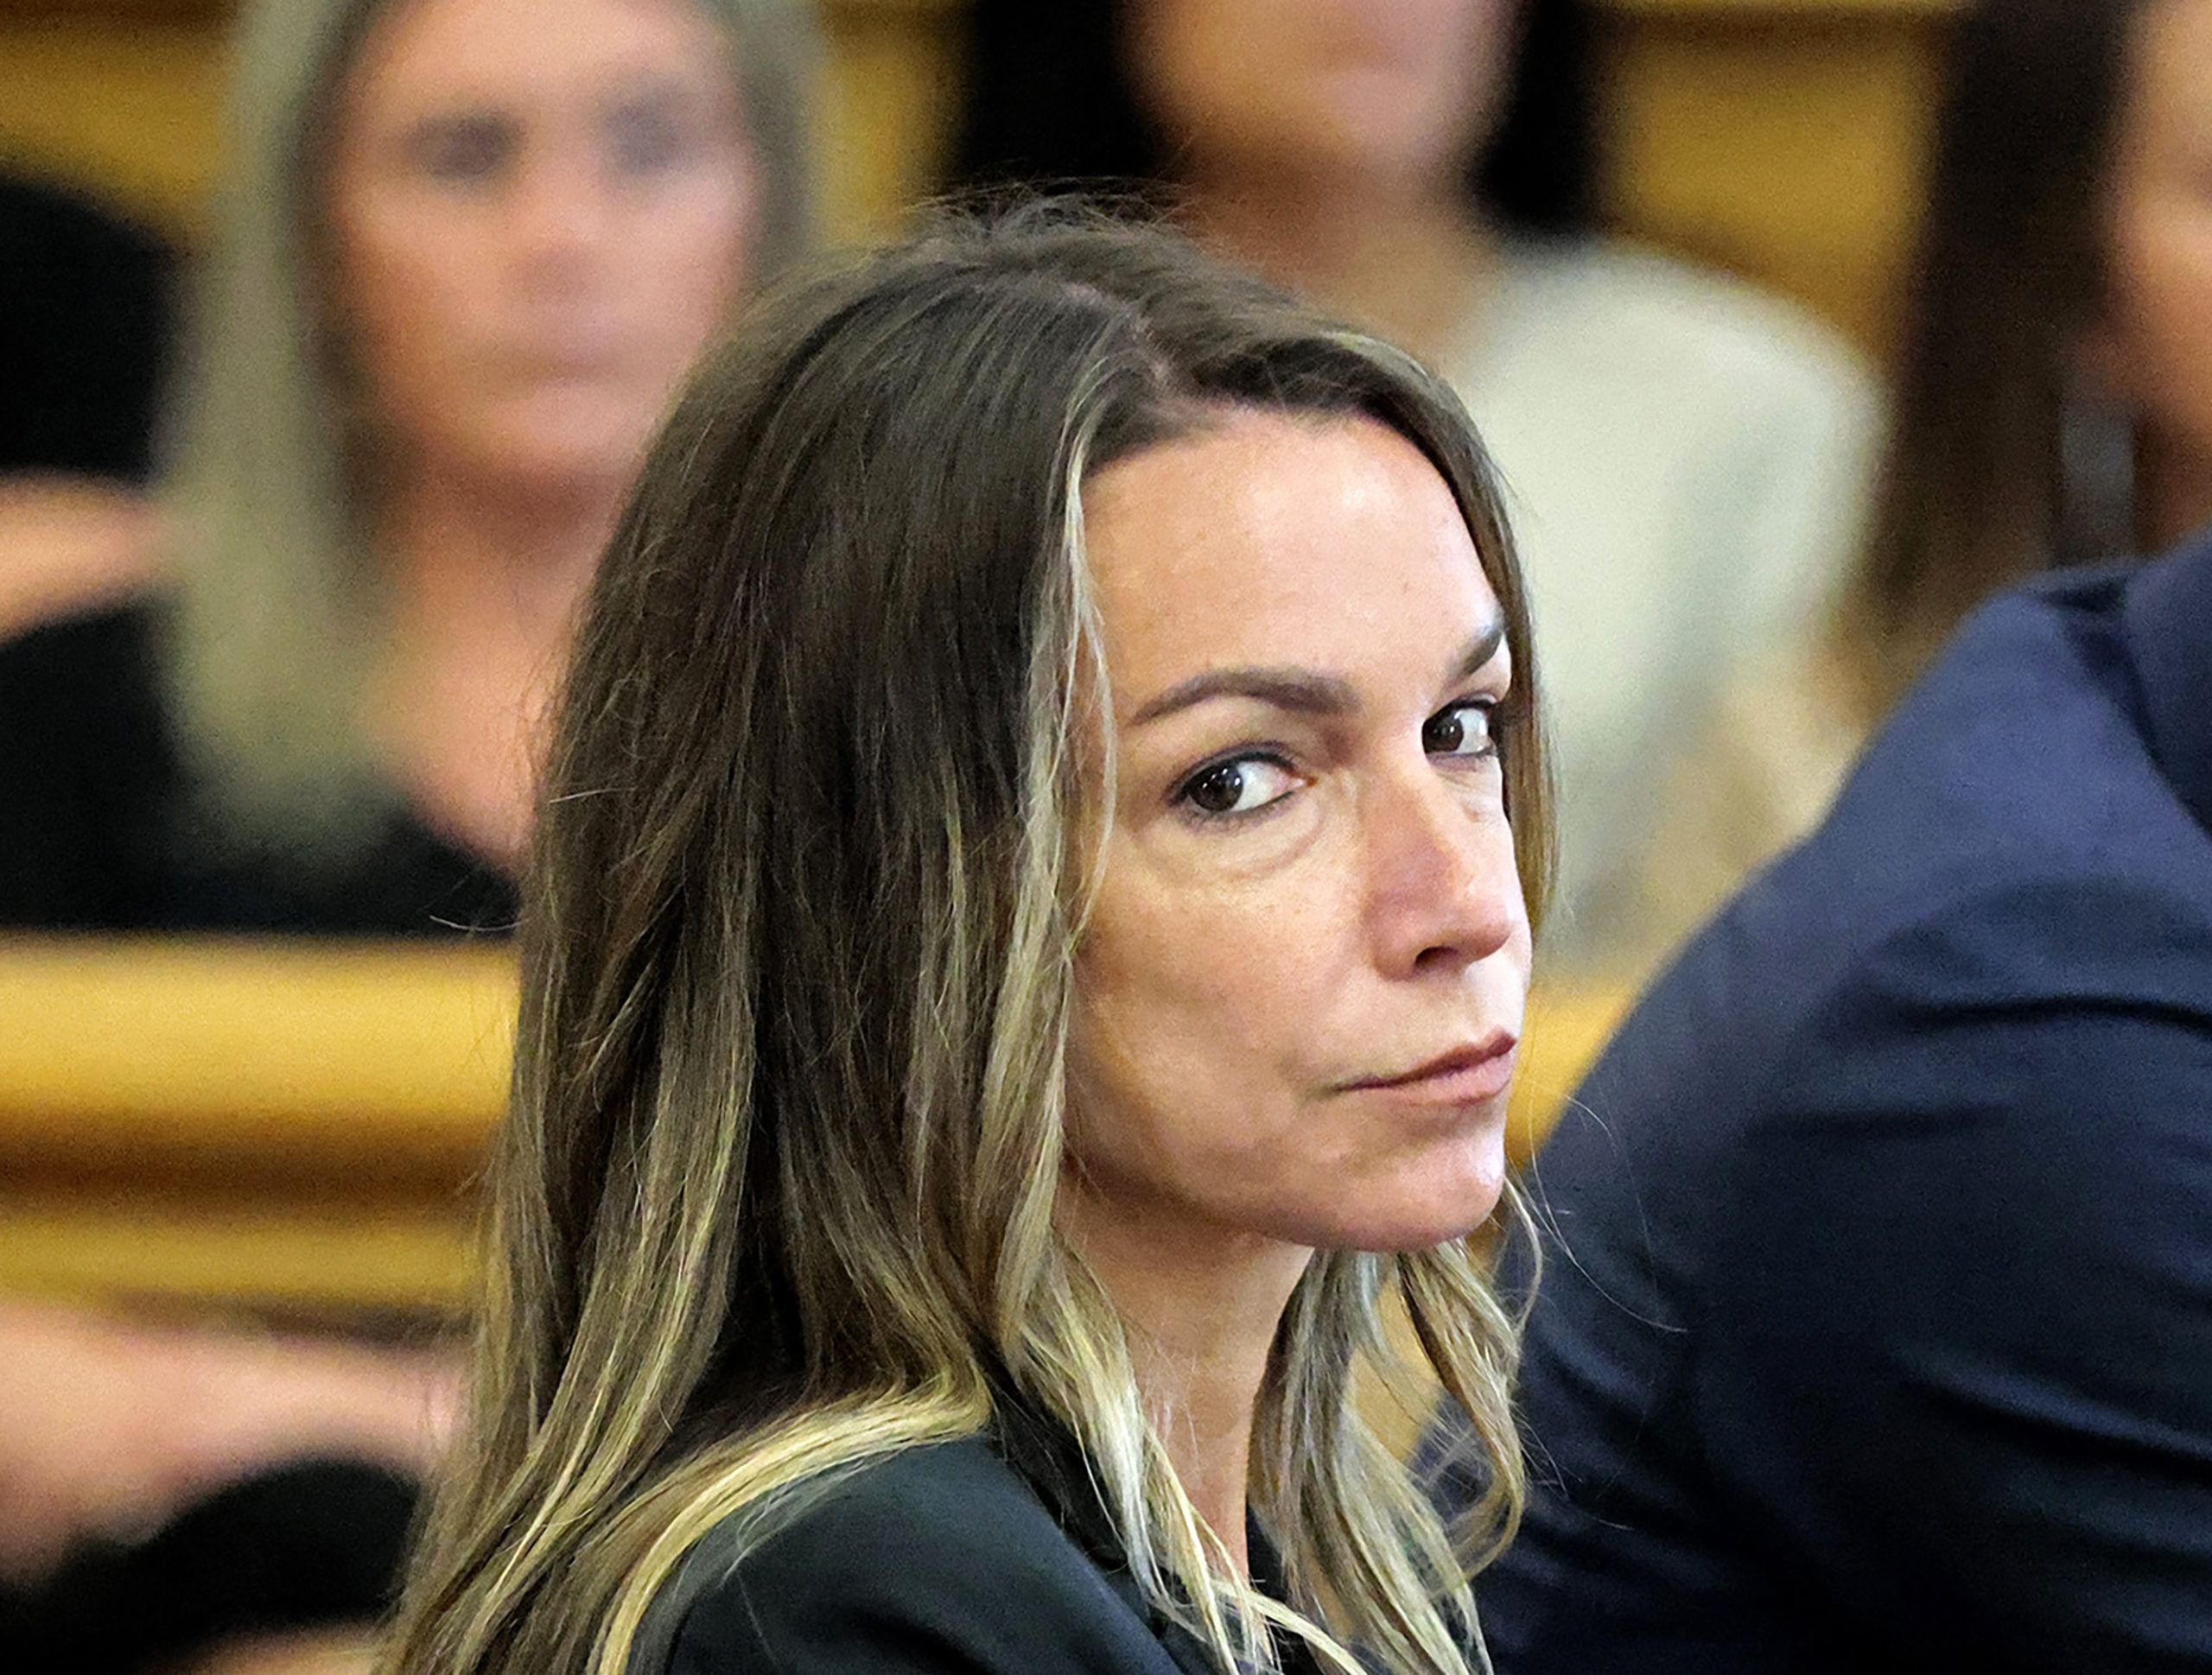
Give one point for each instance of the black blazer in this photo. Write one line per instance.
(992, 1553)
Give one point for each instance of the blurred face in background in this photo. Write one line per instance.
(538, 210)
(1350, 91)
(2154, 345)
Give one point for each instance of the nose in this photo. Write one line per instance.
(1443, 890)
(560, 215)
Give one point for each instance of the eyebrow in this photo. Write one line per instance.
(1301, 691)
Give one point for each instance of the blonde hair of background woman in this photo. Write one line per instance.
(775, 1193)
(278, 596)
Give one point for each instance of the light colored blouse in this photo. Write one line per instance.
(1686, 464)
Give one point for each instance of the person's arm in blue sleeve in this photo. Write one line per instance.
(1957, 1346)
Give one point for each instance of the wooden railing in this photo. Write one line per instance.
(295, 1129)
(292, 1128)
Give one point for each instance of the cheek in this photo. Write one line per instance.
(2163, 282)
(410, 286)
(681, 269)
(1190, 1028)
(685, 260)
(1211, 70)
(1279, 81)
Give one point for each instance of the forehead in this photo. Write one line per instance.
(2171, 72)
(1272, 538)
(425, 52)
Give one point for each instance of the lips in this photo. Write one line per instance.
(1476, 1070)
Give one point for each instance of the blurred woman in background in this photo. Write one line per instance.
(2054, 401)
(469, 249)
(1686, 457)
(2055, 405)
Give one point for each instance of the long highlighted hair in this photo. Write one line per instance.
(777, 1185)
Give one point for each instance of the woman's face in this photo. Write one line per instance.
(2156, 342)
(1301, 984)
(538, 210)
(1344, 91)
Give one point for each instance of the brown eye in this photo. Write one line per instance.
(1463, 730)
(1219, 790)
(1242, 785)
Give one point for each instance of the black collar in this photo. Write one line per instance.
(2169, 614)
(1041, 1451)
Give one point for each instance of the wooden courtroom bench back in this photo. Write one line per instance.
(296, 1128)
(291, 1126)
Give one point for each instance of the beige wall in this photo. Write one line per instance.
(1784, 139)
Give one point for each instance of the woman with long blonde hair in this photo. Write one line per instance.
(466, 251)
(1030, 917)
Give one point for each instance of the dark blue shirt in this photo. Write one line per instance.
(1876, 1330)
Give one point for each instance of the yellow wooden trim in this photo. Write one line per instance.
(1741, 11)
(1564, 1031)
(273, 1258)
(288, 1126)
(134, 1052)
(138, 1052)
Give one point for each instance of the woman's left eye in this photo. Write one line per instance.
(1464, 730)
(647, 137)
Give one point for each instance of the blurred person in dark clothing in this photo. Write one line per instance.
(465, 259)
(85, 326)
(470, 249)
(2054, 397)
(1876, 1325)
(2055, 405)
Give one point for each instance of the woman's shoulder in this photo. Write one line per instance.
(1611, 300)
(938, 1556)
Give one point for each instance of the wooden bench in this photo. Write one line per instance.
(294, 1129)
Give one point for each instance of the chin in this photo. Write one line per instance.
(1412, 1223)
(1447, 1199)
(574, 437)
(1405, 1238)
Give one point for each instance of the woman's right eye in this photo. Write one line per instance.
(464, 150)
(1241, 785)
